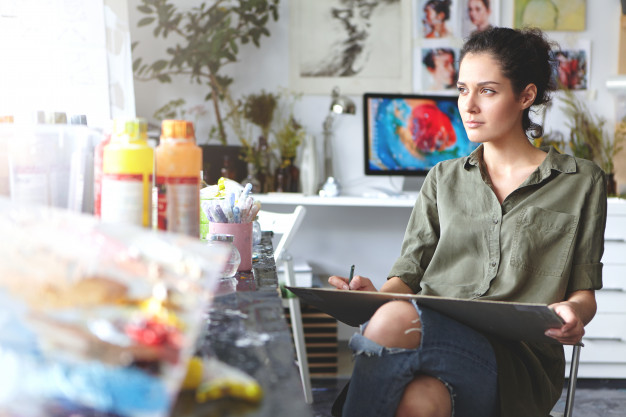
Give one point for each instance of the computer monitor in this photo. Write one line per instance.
(407, 134)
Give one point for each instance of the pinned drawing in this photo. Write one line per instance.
(556, 15)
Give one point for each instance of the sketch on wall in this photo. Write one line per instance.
(354, 44)
(558, 15)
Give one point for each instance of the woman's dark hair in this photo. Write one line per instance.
(440, 6)
(486, 3)
(525, 57)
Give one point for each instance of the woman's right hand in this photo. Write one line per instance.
(358, 283)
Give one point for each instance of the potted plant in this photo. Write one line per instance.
(589, 139)
(210, 36)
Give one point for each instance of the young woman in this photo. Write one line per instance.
(510, 222)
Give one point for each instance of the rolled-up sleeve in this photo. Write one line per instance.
(421, 236)
(586, 273)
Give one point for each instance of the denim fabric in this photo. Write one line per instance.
(460, 357)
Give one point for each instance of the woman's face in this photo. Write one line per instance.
(489, 108)
(478, 14)
(432, 17)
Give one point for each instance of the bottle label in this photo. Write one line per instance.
(179, 204)
(30, 184)
(125, 199)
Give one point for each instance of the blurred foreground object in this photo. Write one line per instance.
(213, 379)
(96, 317)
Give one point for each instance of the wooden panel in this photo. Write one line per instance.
(621, 59)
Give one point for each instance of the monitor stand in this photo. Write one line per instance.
(412, 185)
(410, 189)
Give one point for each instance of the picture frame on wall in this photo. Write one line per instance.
(435, 68)
(357, 46)
(573, 69)
(478, 15)
(552, 15)
(436, 19)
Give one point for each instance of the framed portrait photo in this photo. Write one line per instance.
(478, 15)
(572, 71)
(435, 68)
(358, 45)
(436, 19)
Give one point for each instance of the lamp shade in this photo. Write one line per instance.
(341, 104)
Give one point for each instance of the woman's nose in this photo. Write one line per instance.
(468, 103)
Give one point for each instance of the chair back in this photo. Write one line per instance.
(283, 224)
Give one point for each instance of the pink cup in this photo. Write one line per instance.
(242, 241)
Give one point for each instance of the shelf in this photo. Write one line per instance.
(407, 200)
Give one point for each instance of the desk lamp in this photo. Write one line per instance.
(339, 105)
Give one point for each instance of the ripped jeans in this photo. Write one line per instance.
(457, 355)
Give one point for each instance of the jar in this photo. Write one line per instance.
(230, 268)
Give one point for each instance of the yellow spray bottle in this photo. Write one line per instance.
(127, 168)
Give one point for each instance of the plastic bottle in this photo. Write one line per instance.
(178, 177)
(127, 168)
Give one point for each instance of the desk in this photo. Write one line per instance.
(340, 231)
(246, 328)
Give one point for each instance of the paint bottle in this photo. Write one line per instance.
(127, 168)
(178, 177)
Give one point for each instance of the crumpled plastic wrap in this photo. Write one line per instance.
(96, 318)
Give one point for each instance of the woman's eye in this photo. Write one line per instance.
(461, 89)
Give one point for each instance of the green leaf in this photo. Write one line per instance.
(136, 64)
(159, 65)
(164, 78)
(145, 9)
(145, 21)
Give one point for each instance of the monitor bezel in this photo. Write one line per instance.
(366, 130)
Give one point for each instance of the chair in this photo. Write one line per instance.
(571, 385)
(286, 225)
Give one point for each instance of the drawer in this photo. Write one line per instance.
(614, 277)
(611, 301)
(600, 351)
(614, 252)
(607, 326)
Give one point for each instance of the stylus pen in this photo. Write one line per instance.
(351, 274)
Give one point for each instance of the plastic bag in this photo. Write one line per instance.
(96, 318)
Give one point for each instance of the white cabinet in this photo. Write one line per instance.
(604, 354)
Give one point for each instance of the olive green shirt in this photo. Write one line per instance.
(544, 241)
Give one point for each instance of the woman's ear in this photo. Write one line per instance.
(528, 96)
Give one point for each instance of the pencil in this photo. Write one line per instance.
(351, 273)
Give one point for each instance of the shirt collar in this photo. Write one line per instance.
(554, 161)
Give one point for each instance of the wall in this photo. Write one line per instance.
(268, 68)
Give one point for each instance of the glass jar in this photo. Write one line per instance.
(230, 269)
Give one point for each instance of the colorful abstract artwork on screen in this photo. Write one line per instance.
(407, 134)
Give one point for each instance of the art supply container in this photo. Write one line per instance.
(232, 264)
(178, 167)
(49, 164)
(242, 233)
(127, 168)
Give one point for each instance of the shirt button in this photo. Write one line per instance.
(493, 264)
(495, 221)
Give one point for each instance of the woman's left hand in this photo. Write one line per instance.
(573, 330)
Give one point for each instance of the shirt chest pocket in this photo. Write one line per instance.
(543, 240)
